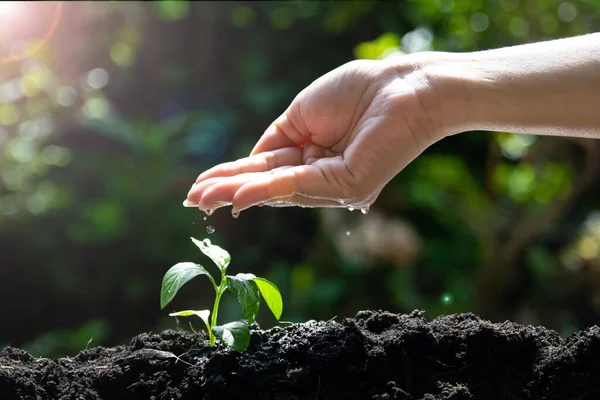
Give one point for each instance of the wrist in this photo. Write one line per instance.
(461, 88)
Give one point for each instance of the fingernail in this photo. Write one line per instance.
(187, 203)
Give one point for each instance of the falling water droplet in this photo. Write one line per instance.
(364, 210)
(209, 212)
(235, 213)
(204, 218)
(447, 298)
(210, 229)
(347, 233)
(350, 208)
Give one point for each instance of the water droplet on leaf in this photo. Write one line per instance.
(350, 208)
(364, 210)
(235, 214)
(210, 229)
(206, 242)
(208, 212)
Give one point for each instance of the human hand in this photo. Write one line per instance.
(341, 140)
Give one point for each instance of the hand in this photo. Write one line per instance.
(338, 144)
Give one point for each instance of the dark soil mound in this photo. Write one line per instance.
(376, 355)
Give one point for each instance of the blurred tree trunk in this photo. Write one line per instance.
(503, 279)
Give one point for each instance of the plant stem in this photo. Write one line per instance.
(213, 320)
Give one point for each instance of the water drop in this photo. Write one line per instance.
(347, 233)
(204, 218)
(350, 208)
(210, 229)
(206, 242)
(209, 212)
(364, 210)
(235, 213)
(447, 298)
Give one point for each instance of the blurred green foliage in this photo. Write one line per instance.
(104, 129)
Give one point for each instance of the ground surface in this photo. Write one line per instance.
(376, 355)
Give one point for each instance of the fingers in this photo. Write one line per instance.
(303, 185)
(286, 131)
(262, 162)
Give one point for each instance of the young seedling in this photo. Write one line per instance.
(247, 287)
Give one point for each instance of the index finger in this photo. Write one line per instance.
(286, 131)
(262, 162)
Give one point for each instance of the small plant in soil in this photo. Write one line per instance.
(247, 287)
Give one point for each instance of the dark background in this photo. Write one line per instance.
(109, 111)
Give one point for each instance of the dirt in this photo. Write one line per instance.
(376, 355)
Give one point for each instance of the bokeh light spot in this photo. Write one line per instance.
(446, 299)
(587, 248)
(56, 155)
(171, 10)
(446, 6)
(567, 12)
(97, 78)
(37, 203)
(479, 22)
(418, 40)
(96, 108)
(36, 78)
(243, 17)
(65, 96)
(9, 114)
(10, 91)
(521, 181)
(122, 54)
(515, 146)
(282, 18)
(21, 150)
(509, 5)
(12, 180)
(518, 26)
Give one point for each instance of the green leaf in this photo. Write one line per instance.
(203, 314)
(219, 256)
(234, 334)
(271, 295)
(177, 276)
(247, 293)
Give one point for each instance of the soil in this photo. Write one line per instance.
(376, 355)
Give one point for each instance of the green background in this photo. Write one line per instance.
(104, 128)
